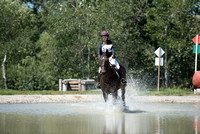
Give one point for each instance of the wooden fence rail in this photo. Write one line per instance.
(76, 84)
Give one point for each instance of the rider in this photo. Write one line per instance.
(107, 45)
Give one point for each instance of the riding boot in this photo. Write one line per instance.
(122, 79)
(98, 86)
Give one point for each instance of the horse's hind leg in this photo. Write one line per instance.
(123, 95)
(105, 96)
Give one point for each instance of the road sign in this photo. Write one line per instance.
(161, 52)
(194, 49)
(195, 39)
(157, 61)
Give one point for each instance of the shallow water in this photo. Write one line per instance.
(98, 118)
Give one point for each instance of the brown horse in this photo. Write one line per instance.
(109, 80)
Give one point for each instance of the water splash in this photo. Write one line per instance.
(132, 89)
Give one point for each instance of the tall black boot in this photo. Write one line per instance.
(98, 86)
(123, 81)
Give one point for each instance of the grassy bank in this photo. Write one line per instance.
(168, 92)
(162, 92)
(44, 92)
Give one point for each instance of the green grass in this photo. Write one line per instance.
(44, 92)
(152, 92)
(168, 92)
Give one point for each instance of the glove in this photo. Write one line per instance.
(111, 57)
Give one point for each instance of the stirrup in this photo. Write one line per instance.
(123, 81)
(98, 86)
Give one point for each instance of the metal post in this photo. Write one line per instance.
(166, 65)
(158, 72)
(166, 69)
(196, 53)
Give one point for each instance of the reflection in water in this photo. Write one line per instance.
(81, 119)
(114, 124)
(158, 118)
(197, 124)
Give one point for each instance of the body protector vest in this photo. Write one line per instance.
(108, 50)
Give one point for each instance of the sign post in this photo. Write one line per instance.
(196, 40)
(195, 79)
(158, 71)
(159, 62)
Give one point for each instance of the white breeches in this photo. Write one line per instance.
(114, 63)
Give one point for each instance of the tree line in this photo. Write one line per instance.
(47, 40)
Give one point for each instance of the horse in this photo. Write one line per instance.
(109, 80)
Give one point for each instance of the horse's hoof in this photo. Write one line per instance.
(125, 108)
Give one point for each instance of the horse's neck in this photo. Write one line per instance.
(107, 77)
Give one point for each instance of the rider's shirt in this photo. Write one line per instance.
(106, 49)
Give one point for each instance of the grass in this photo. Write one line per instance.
(44, 92)
(168, 92)
(153, 92)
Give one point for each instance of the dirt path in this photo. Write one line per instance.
(15, 99)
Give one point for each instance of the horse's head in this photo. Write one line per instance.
(104, 64)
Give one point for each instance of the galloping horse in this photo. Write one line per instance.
(109, 80)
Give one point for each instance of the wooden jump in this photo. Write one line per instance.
(75, 84)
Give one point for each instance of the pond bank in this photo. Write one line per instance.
(17, 99)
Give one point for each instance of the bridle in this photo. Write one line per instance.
(103, 65)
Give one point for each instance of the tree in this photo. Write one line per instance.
(17, 32)
(169, 25)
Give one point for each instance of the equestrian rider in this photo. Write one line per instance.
(107, 45)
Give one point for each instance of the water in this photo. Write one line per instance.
(99, 118)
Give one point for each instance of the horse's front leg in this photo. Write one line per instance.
(105, 96)
(123, 95)
(115, 96)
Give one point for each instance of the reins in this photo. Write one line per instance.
(103, 65)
